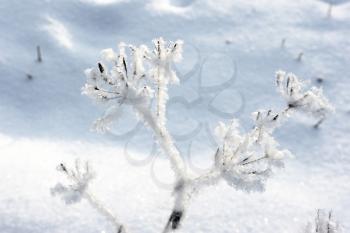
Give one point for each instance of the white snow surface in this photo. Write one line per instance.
(45, 120)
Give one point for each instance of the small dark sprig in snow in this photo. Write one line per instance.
(312, 101)
(324, 223)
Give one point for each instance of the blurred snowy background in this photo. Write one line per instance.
(232, 50)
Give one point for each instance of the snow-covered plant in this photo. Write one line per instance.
(243, 160)
(79, 178)
(324, 223)
(161, 59)
(246, 160)
(311, 102)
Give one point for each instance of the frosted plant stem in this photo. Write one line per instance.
(184, 185)
(118, 227)
(165, 140)
(183, 194)
(162, 99)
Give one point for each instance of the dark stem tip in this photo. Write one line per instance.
(100, 67)
(175, 219)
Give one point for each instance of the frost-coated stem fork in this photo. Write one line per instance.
(184, 184)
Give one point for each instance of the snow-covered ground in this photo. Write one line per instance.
(237, 43)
